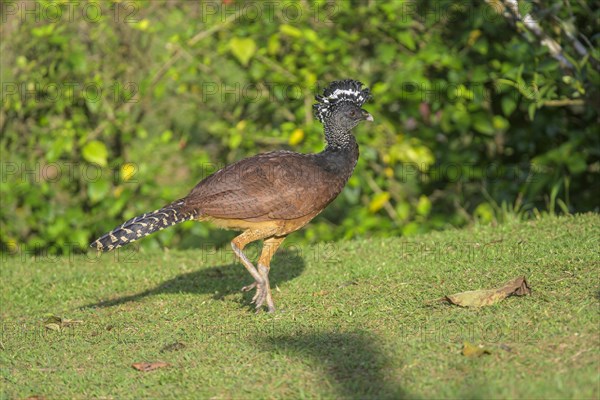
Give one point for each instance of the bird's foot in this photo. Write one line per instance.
(263, 291)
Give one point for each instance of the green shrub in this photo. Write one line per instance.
(109, 115)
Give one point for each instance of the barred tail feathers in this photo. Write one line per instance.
(143, 225)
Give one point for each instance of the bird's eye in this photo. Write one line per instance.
(352, 113)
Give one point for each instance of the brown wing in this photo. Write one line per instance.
(278, 185)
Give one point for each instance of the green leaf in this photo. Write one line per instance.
(500, 123)
(95, 152)
(576, 164)
(411, 228)
(508, 104)
(386, 53)
(273, 45)
(98, 190)
(423, 206)
(311, 35)
(166, 136)
(532, 108)
(403, 210)
(235, 140)
(142, 25)
(44, 30)
(290, 30)
(242, 49)
(484, 213)
(461, 118)
(483, 124)
(407, 39)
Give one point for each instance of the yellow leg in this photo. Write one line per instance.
(270, 246)
(261, 276)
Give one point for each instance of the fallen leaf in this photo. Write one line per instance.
(482, 298)
(53, 327)
(145, 367)
(470, 350)
(55, 323)
(173, 347)
(53, 319)
(506, 347)
(69, 322)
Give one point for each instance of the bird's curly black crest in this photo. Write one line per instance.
(347, 90)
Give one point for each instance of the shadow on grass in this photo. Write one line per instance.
(220, 281)
(353, 361)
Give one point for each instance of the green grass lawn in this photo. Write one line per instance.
(355, 320)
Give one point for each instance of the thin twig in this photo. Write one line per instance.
(511, 8)
(534, 27)
(564, 102)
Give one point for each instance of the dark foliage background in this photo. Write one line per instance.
(110, 110)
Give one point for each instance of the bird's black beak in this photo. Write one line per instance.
(367, 116)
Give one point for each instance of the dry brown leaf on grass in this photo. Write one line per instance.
(145, 367)
(482, 298)
(470, 350)
(173, 347)
(55, 323)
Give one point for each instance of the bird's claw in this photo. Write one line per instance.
(249, 287)
(263, 291)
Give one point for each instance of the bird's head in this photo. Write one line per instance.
(339, 108)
